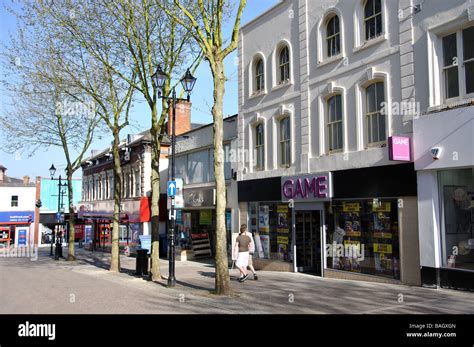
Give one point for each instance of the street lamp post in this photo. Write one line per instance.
(57, 241)
(187, 81)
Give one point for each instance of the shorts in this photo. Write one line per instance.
(242, 259)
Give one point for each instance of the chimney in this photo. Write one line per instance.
(26, 180)
(183, 118)
(2, 173)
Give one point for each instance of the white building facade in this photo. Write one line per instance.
(18, 212)
(443, 136)
(324, 98)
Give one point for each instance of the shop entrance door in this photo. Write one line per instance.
(308, 242)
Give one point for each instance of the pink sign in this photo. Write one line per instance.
(399, 148)
(306, 188)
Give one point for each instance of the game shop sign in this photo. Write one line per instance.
(314, 187)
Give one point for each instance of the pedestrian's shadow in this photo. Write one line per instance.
(207, 274)
(96, 262)
(164, 283)
(194, 286)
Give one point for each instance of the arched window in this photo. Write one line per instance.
(333, 37)
(375, 119)
(334, 110)
(259, 147)
(259, 76)
(373, 18)
(285, 142)
(106, 191)
(284, 64)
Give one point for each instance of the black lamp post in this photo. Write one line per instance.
(188, 80)
(52, 172)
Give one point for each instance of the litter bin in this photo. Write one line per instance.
(142, 262)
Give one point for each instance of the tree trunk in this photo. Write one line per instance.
(222, 281)
(155, 273)
(115, 253)
(72, 234)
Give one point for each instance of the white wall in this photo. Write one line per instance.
(26, 198)
(428, 219)
(301, 23)
(436, 19)
(452, 131)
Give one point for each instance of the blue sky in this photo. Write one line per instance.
(19, 165)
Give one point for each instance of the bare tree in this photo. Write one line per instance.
(206, 25)
(150, 38)
(43, 112)
(90, 60)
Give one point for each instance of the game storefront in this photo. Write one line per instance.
(371, 225)
(363, 237)
(353, 224)
(269, 222)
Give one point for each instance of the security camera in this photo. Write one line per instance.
(89, 162)
(435, 152)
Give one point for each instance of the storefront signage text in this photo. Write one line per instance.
(399, 148)
(306, 188)
(17, 217)
(198, 197)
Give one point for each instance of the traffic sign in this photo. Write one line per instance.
(178, 196)
(171, 188)
(58, 216)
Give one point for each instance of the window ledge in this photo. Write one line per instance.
(370, 43)
(282, 85)
(330, 60)
(381, 144)
(335, 151)
(255, 95)
(451, 105)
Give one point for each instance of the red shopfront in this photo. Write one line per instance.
(134, 221)
(15, 228)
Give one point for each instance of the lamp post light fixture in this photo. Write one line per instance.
(57, 241)
(187, 81)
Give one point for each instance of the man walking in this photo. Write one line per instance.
(251, 250)
(242, 247)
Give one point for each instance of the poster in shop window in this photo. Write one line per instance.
(187, 221)
(258, 245)
(352, 251)
(265, 243)
(282, 211)
(205, 217)
(351, 207)
(264, 219)
(22, 234)
(88, 233)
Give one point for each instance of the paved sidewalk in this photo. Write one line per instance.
(86, 286)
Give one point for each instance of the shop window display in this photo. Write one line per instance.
(457, 207)
(363, 237)
(270, 225)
